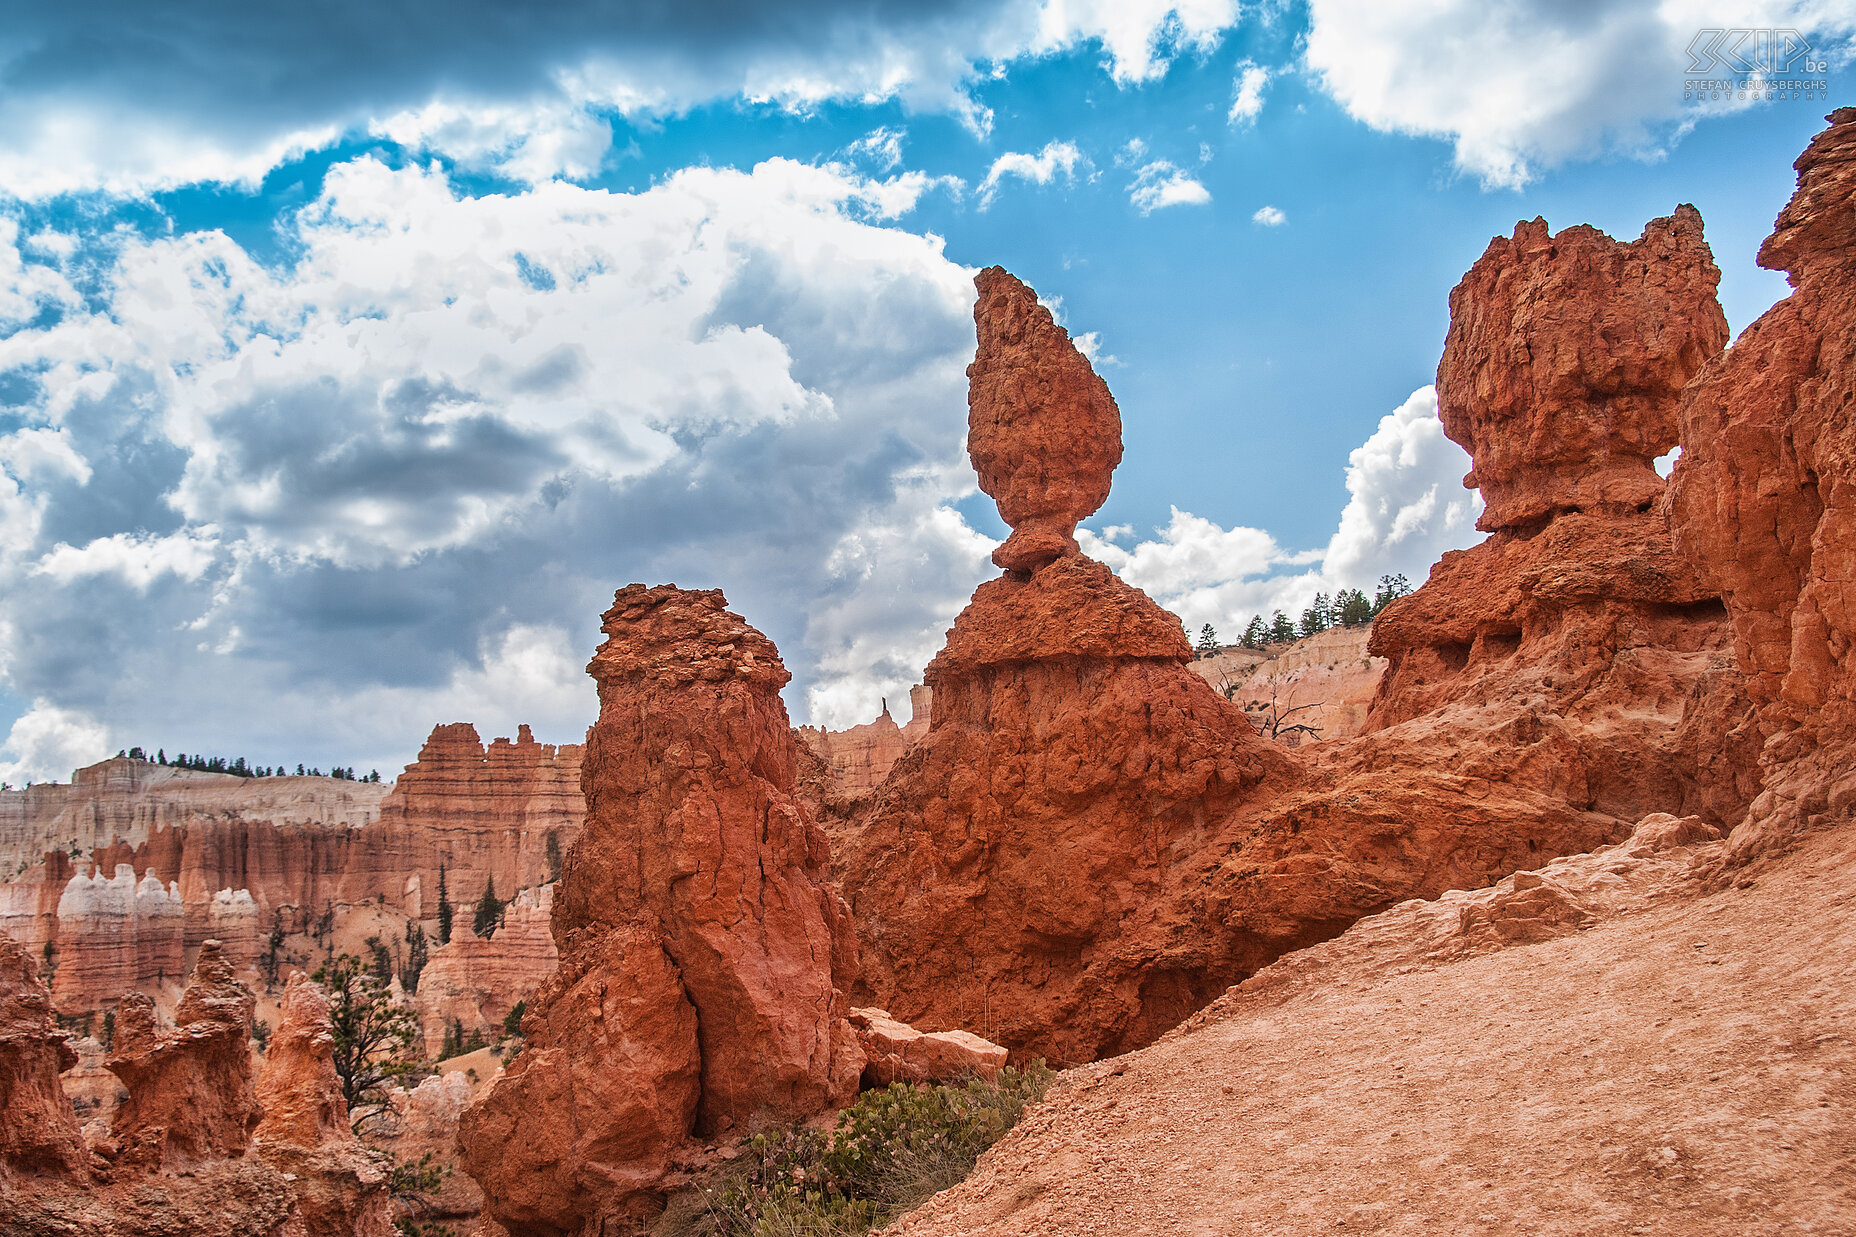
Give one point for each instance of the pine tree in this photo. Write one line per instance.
(1391, 588)
(1351, 608)
(1281, 629)
(1208, 641)
(444, 909)
(489, 914)
(418, 953)
(1315, 618)
(1256, 633)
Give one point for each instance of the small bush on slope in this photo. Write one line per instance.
(891, 1150)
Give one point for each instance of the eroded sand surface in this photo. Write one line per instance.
(1679, 1056)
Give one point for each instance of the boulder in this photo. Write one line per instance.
(896, 1052)
(1042, 428)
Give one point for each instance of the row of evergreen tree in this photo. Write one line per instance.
(487, 918)
(238, 767)
(1348, 608)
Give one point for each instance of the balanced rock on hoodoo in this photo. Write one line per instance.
(1764, 496)
(704, 952)
(1016, 872)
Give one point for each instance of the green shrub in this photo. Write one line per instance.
(891, 1150)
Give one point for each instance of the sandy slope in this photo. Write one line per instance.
(1619, 1044)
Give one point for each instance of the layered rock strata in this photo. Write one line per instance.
(703, 950)
(176, 857)
(474, 984)
(1763, 500)
(1326, 682)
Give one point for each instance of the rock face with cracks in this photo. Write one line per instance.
(341, 1187)
(704, 952)
(1763, 500)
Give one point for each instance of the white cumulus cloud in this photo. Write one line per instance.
(1406, 502)
(1406, 506)
(1247, 93)
(47, 743)
(409, 468)
(1269, 217)
(1058, 158)
(1521, 85)
(1160, 184)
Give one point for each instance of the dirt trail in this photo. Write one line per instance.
(1613, 1045)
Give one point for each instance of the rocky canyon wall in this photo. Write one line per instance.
(1763, 500)
(166, 858)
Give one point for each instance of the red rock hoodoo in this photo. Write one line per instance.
(1763, 500)
(1014, 873)
(703, 950)
(191, 1097)
(1573, 654)
(341, 1187)
(38, 1131)
(1565, 360)
(175, 1160)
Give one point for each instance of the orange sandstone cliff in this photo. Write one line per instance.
(1763, 500)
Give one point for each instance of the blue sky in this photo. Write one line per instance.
(348, 362)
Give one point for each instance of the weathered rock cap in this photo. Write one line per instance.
(1817, 228)
(1565, 362)
(674, 635)
(1042, 429)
